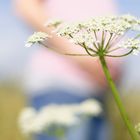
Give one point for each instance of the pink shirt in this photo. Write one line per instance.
(73, 10)
(49, 69)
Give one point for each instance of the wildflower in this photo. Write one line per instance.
(37, 37)
(68, 30)
(130, 19)
(26, 119)
(55, 23)
(97, 35)
(90, 108)
(57, 116)
(131, 43)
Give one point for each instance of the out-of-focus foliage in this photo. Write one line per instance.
(11, 102)
(132, 104)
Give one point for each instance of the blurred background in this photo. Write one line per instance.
(13, 59)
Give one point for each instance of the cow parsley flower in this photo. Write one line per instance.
(68, 30)
(98, 35)
(57, 116)
(131, 43)
(26, 119)
(130, 19)
(53, 22)
(90, 108)
(37, 37)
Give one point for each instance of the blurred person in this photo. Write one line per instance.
(55, 78)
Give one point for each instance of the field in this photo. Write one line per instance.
(12, 101)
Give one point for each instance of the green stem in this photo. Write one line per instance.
(118, 101)
(122, 55)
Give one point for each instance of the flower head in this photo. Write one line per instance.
(130, 19)
(26, 119)
(57, 116)
(98, 35)
(37, 37)
(131, 43)
(55, 23)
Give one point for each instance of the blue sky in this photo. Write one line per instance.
(129, 6)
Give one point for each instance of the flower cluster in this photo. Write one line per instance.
(55, 23)
(100, 33)
(98, 36)
(131, 43)
(57, 116)
(131, 19)
(112, 24)
(37, 37)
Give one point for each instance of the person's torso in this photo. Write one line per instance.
(51, 69)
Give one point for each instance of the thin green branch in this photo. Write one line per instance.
(118, 101)
(103, 39)
(90, 49)
(107, 45)
(87, 50)
(43, 44)
(116, 39)
(95, 46)
(114, 49)
(79, 54)
(95, 35)
(69, 54)
(120, 55)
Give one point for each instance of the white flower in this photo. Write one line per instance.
(117, 27)
(68, 30)
(131, 43)
(26, 119)
(91, 107)
(130, 19)
(37, 37)
(98, 35)
(53, 22)
(57, 116)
